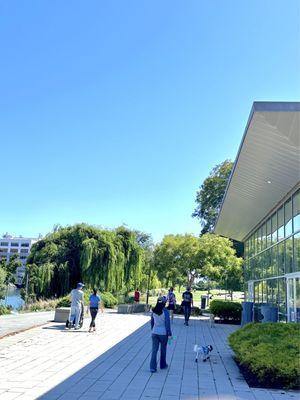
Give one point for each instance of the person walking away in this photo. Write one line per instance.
(187, 303)
(95, 300)
(137, 296)
(161, 330)
(171, 298)
(76, 304)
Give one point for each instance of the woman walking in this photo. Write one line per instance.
(161, 330)
(95, 300)
(171, 298)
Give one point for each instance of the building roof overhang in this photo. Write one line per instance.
(266, 168)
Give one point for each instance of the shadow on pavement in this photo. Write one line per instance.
(112, 372)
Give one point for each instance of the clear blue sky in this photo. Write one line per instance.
(114, 112)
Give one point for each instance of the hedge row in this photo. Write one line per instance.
(270, 353)
(229, 311)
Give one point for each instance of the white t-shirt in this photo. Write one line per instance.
(76, 297)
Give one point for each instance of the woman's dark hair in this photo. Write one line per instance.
(158, 309)
(171, 289)
(95, 291)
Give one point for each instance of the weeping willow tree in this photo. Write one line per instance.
(110, 259)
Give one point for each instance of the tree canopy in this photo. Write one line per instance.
(210, 194)
(109, 259)
(182, 259)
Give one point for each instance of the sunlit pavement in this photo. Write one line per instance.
(52, 363)
(18, 322)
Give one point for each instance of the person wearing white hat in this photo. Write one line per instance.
(76, 301)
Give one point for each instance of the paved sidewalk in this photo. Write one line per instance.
(12, 323)
(50, 363)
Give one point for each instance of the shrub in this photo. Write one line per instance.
(109, 301)
(64, 302)
(270, 352)
(226, 310)
(4, 310)
(196, 311)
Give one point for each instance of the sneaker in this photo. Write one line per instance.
(152, 371)
(166, 366)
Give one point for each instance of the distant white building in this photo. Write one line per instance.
(11, 245)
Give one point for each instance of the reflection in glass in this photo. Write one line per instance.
(288, 221)
(272, 291)
(269, 233)
(264, 292)
(297, 300)
(274, 260)
(281, 257)
(296, 211)
(256, 242)
(281, 299)
(267, 263)
(274, 228)
(263, 236)
(289, 255)
(280, 223)
(252, 268)
(297, 252)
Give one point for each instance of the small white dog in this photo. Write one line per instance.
(204, 351)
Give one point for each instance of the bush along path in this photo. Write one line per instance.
(268, 354)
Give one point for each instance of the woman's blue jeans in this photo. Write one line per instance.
(187, 312)
(157, 340)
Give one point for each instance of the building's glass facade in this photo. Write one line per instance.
(272, 260)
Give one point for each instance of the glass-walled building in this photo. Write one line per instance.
(272, 260)
(261, 207)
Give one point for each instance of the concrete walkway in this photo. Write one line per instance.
(17, 322)
(50, 363)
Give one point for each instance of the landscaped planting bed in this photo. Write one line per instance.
(268, 354)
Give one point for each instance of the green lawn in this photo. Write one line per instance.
(217, 294)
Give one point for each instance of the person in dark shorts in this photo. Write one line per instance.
(171, 299)
(95, 300)
(187, 303)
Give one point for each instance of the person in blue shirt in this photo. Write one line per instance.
(95, 300)
(161, 330)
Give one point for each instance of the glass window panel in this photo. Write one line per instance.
(259, 266)
(289, 255)
(297, 300)
(297, 252)
(281, 257)
(246, 250)
(259, 239)
(274, 228)
(247, 271)
(274, 260)
(264, 292)
(280, 223)
(268, 263)
(253, 268)
(269, 233)
(288, 218)
(263, 236)
(296, 211)
(272, 291)
(256, 292)
(253, 245)
(281, 299)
